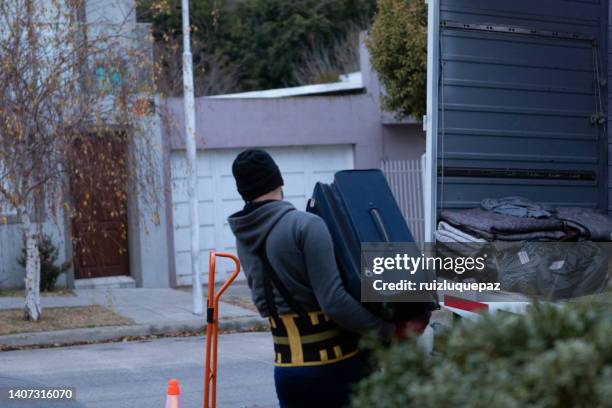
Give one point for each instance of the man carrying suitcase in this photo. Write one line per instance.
(288, 258)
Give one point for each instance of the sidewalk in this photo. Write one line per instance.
(154, 312)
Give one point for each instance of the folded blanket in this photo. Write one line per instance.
(494, 223)
(525, 236)
(448, 233)
(593, 225)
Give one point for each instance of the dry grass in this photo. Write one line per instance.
(60, 318)
(240, 302)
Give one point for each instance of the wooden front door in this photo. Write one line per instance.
(99, 225)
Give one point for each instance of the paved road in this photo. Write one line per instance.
(134, 374)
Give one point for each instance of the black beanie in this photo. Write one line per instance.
(256, 174)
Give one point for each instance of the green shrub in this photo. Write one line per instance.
(551, 357)
(267, 41)
(49, 272)
(272, 37)
(398, 46)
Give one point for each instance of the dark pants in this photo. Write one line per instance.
(325, 386)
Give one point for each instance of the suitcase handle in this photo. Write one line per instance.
(379, 224)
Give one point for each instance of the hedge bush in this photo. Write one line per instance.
(398, 48)
(267, 41)
(551, 357)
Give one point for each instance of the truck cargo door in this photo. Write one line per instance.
(517, 102)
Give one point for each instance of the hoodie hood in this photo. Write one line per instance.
(251, 228)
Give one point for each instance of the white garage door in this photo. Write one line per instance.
(301, 167)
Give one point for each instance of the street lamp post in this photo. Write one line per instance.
(190, 144)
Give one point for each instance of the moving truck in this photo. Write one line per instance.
(517, 97)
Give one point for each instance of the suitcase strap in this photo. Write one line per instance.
(271, 278)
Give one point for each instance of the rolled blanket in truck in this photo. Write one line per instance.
(448, 233)
(494, 226)
(492, 222)
(591, 224)
(451, 242)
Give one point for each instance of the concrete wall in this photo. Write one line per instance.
(147, 229)
(11, 244)
(110, 11)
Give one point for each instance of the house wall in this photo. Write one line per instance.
(147, 232)
(147, 229)
(320, 120)
(12, 274)
(110, 11)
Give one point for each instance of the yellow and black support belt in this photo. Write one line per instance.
(310, 339)
(301, 338)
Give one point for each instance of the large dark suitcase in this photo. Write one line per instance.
(359, 207)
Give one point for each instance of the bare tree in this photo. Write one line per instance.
(325, 63)
(213, 74)
(69, 92)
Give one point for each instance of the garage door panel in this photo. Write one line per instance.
(205, 166)
(180, 215)
(206, 213)
(289, 159)
(182, 238)
(301, 166)
(182, 218)
(227, 238)
(232, 206)
(205, 186)
(298, 202)
(326, 176)
(334, 158)
(207, 237)
(179, 189)
(183, 263)
(226, 187)
(294, 184)
(178, 165)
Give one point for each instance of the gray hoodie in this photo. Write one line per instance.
(301, 251)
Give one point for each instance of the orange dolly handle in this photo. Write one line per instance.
(212, 326)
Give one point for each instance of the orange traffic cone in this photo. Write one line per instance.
(173, 397)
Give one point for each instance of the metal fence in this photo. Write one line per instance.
(405, 180)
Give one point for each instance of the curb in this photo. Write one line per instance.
(110, 333)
